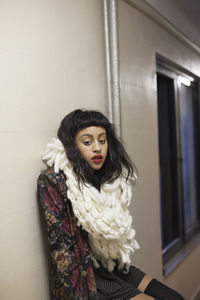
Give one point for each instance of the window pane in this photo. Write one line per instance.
(168, 166)
(188, 155)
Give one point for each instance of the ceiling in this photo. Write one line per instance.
(184, 15)
(191, 8)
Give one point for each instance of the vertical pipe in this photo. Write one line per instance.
(112, 63)
(115, 66)
(108, 66)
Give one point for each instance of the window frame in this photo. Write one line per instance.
(176, 250)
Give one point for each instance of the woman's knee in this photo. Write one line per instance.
(142, 297)
(144, 283)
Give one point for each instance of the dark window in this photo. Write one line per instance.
(178, 123)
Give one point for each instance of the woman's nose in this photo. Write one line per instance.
(96, 147)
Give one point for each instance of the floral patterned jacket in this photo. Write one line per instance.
(72, 275)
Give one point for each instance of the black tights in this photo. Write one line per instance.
(159, 291)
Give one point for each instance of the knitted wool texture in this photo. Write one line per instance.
(104, 215)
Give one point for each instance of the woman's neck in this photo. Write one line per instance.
(98, 176)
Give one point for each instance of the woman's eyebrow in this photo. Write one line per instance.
(91, 135)
(102, 133)
(88, 135)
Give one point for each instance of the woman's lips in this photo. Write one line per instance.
(97, 158)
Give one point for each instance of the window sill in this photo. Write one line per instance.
(180, 255)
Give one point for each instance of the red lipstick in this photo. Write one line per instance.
(97, 158)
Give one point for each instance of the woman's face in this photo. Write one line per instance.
(92, 144)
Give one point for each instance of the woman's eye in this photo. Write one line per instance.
(102, 141)
(86, 143)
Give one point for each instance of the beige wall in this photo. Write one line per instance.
(51, 61)
(140, 38)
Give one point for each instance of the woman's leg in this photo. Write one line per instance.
(155, 288)
(149, 286)
(160, 291)
(142, 297)
(144, 283)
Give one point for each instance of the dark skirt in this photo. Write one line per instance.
(117, 285)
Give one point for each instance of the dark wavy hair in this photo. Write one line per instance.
(116, 159)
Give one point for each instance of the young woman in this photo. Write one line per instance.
(84, 194)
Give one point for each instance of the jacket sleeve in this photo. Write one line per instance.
(66, 282)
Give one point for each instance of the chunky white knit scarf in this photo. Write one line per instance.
(104, 215)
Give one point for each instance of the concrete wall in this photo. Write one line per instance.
(140, 38)
(51, 62)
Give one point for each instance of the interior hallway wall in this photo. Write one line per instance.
(140, 38)
(51, 62)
